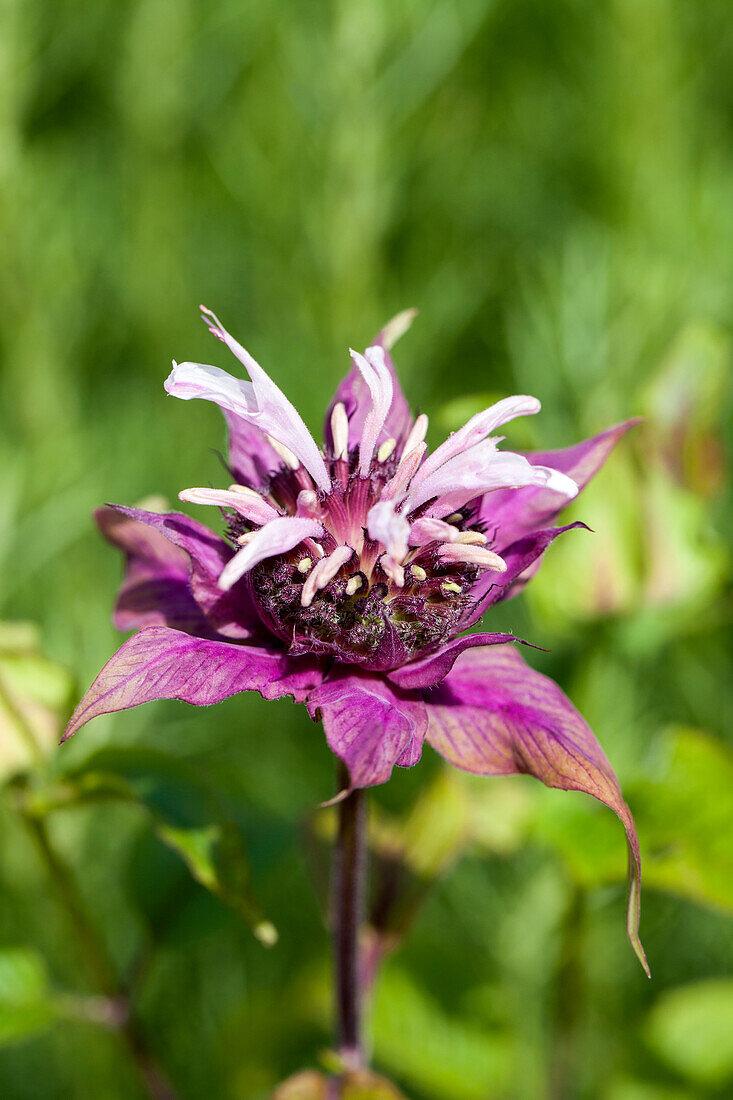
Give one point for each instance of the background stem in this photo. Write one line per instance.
(348, 913)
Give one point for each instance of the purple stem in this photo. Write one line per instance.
(349, 867)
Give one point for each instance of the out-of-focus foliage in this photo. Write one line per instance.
(551, 183)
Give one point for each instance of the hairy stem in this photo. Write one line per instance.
(99, 965)
(348, 912)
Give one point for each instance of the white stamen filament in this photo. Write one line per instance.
(340, 431)
(323, 573)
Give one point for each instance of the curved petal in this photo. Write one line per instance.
(493, 715)
(206, 554)
(276, 537)
(160, 663)
(435, 667)
(354, 393)
(156, 589)
(369, 724)
(513, 513)
(519, 558)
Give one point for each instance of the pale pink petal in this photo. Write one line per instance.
(396, 487)
(260, 402)
(477, 429)
(376, 374)
(428, 530)
(387, 526)
(275, 538)
(323, 573)
(250, 505)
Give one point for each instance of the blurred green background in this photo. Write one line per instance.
(551, 183)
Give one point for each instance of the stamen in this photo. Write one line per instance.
(304, 565)
(386, 449)
(418, 572)
(247, 537)
(284, 452)
(417, 434)
(455, 517)
(340, 431)
(472, 555)
(323, 573)
(244, 490)
(471, 538)
(353, 584)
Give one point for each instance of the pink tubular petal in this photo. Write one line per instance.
(396, 487)
(387, 526)
(160, 663)
(493, 715)
(323, 573)
(354, 394)
(428, 530)
(274, 538)
(260, 402)
(249, 505)
(375, 373)
(516, 512)
(477, 429)
(369, 724)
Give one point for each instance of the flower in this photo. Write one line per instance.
(348, 575)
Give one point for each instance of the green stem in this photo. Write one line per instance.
(348, 913)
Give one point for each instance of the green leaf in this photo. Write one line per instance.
(26, 1005)
(216, 857)
(691, 1029)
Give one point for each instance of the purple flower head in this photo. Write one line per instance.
(347, 576)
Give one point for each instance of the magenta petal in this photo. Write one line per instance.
(369, 724)
(206, 554)
(432, 669)
(493, 715)
(252, 460)
(514, 513)
(354, 394)
(160, 663)
(156, 589)
(521, 558)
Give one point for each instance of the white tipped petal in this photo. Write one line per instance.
(387, 526)
(428, 530)
(472, 555)
(477, 429)
(375, 373)
(259, 401)
(276, 537)
(247, 504)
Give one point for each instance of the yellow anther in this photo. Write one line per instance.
(472, 538)
(304, 565)
(244, 539)
(386, 449)
(353, 584)
(418, 572)
(456, 517)
(451, 587)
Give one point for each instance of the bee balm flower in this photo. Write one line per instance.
(348, 575)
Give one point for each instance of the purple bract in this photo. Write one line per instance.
(346, 575)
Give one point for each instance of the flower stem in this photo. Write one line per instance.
(349, 867)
